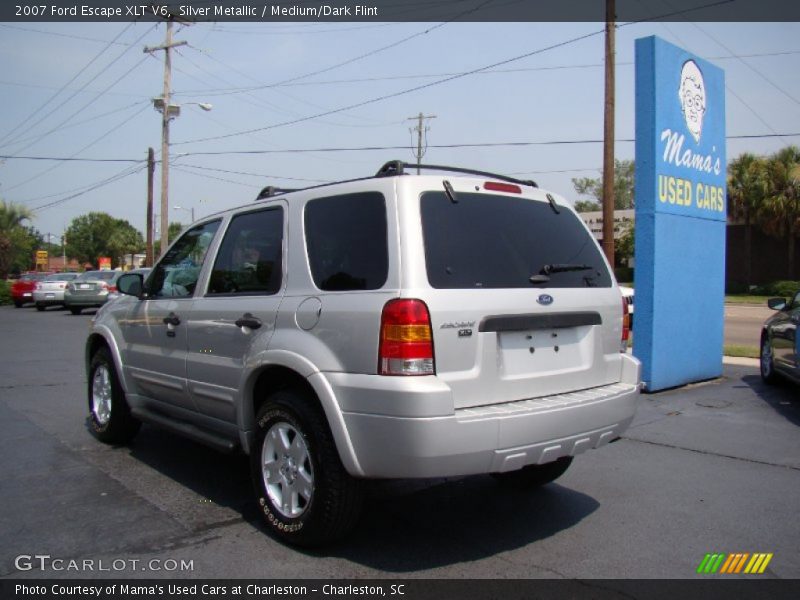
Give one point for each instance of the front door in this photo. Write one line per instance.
(155, 330)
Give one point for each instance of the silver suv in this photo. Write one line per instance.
(396, 326)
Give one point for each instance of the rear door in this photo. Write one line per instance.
(235, 318)
(523, 303)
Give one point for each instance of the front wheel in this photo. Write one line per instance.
(304, 493)
(109, 414)
(534, 475)
(766, 361)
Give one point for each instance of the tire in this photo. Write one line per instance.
(767, 360)
(109, 414)
(18, 303)
(75, 310)
(304, 493)
(40, 307)
(534, 476)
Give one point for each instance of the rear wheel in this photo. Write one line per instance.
(109, 414)
(534, 475)
(39, 307)
(766, 361)
(18, 303)
(75, 310)
(304, 493)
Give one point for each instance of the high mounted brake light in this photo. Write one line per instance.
(495, 186)
(406, 340)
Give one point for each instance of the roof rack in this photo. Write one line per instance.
(398, 167)
(271, 190)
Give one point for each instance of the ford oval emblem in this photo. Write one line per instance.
(545, 299)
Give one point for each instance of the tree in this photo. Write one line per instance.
(99, 234)
(13, 236)
(125, 239)
(173, 231)
(747, 189)
(781, 213)
(623, 187)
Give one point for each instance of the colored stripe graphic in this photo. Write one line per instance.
(730, 564)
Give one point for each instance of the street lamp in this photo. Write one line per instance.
(190, 210)
(168, 112)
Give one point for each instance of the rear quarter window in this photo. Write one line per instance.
(494, 241)
(346, 241)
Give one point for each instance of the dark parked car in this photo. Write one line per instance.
(22, 288)
(780, 350)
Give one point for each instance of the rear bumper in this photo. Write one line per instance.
(84, 301)
(48, 298)
(496, 438)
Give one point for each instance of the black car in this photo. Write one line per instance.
(780, 347)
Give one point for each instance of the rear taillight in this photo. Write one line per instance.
(111, 288)
(626, 326)
(406, 341)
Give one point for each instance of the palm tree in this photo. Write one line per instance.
(747, 189)
(782, 209)
(11, 217)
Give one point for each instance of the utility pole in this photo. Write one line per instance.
(420, 132)
(167, 113)
(151, 168)
(608, 137)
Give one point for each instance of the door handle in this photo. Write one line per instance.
(249, 321)
(172, 319)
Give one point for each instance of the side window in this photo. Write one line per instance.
(175, 276)
(249, 260)
(346, 241)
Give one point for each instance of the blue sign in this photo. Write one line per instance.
(681, 214)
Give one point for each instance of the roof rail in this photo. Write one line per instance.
(398, 167)
(271, 190)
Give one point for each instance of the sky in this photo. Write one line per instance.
(84, 91)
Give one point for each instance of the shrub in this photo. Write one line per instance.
(5, 292)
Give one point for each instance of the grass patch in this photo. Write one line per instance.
(746, 299)
(740, 351)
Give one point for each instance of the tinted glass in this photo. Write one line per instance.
(346, 241)
(61, 277)
(176, 274)
(249, 260)
(492, 241)
(96, 276)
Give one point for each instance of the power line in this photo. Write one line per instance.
(393, 95)
(444, 80)
(98, 95)
(371, 148)
(62, 88)
(65, 35)
(231, 91)
(128, 171)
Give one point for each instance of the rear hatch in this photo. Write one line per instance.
(522, 302)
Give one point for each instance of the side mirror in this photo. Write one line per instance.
(777, 303)
(131, 284)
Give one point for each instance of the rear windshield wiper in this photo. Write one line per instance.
(548, 269)
(543, 276)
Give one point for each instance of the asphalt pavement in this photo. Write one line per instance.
(711, 467)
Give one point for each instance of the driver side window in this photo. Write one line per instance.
(176, 274)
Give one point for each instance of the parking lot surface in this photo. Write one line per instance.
(709, 468)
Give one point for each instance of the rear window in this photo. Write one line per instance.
(493, 241)
(346, 241)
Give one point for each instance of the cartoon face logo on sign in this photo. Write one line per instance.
(692, 95)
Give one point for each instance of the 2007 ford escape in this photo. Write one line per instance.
(396, 326)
